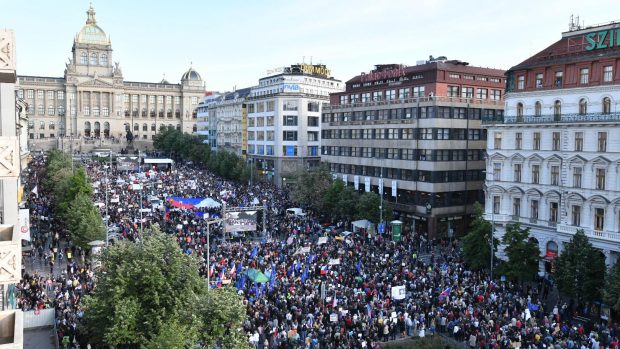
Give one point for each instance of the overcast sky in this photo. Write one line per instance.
(233, 42)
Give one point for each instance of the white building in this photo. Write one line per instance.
(229, 121)
(204, 122)
(284, 125)
(554, 159)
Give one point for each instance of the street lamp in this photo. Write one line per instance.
(107, 203)
(209, 250)
(492, 231)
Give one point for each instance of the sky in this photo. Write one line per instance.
(233, 42)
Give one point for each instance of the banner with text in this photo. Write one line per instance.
(240, 221)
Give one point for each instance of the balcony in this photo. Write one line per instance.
(422, 99)
(552, 119)
(591, 233)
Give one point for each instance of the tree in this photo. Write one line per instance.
(611, 292)
(523, 254)
(368, 207)
(150, 295)
(310, 187)
(84, 221)
(580, 269)
(477, 243)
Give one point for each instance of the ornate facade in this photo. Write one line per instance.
(94, 102)
(553, 160)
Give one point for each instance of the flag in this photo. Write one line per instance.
(272, 277)
(310, 258)
(324, 270)
(35, 190)
(304, 276)
(239, 268)
(290, 270)
(445, 292)
(241, 282)
(254, 252)
(359, 267)
(297, 265)
(335, 302)
(368, 310)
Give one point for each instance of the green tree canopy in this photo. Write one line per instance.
(150, 295)
(311, 187)
(477, 243)
(84, 221)
(611, 292)
(580, 269)
(522, 252)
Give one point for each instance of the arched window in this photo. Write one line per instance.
(583, 106)
(84, 58)
(93, 59)
(606, 105)
(103, 60)
(136, 128)
(557, 109)
(520, 109)
(537, 109)
(145, 128)
(154, 128)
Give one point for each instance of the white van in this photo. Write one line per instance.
(295, 211)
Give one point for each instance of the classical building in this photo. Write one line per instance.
(415, 132)
(92, 101)
(205, 122)
(554, 157)
(284, 128)
(230, 120)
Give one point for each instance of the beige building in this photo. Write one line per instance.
(228, 114)
(93, 104)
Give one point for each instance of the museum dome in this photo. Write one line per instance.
(91, 33)
(191, 74)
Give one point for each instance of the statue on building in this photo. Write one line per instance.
(117, 69)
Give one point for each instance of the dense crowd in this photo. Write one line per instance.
(324, 287)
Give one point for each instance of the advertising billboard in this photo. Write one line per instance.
(240, 221)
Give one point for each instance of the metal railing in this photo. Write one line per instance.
(421, 99)
(547, 119)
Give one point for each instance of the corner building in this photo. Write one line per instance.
(283, 120)
(92, 104)
(415, 132)
(554, 158)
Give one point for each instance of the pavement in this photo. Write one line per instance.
(40, 338)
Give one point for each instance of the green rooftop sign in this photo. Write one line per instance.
(603, 39)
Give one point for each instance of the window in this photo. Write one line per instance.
(390, 95)
(50, 94)
(453, 91)
(289, 150)
(496, 95)
(377, 95)
(534, 209)
(30, 94)
(497, 140)
(443, 133)
(289, 135)
(584, 75)
(270, 106)
(516, 207)
(41, 109)
(290, 120)
(537, 109)
(426, 133)
(104, 59)
(60, 95)
(608, 73)
(517, 172)
(539, 80)
(600, 178)
(555, 175)
(497, 171)
(518, 140)
(583, 106)
(50, 110)
(177, 100)
(521, 82)
(496, 204)
(145, 127)
(576, 215)
(403, 93)
(194, 100)
(535, 174)
(52, 125)
(553, 212)
(606, 105)
(467, 92)
(93, 59)
(418, 91)
(86, 111)
(105, 111)
(151, 99)
(95, 111)
(41, 125)
(558, 79)
(578, 141)
(84, 58)
(153, 127)
(40, 94)
(599, 219)
(519, 110)
(289, 105)
(61, 111)
(313, 136)
(313, 121)
(365, 97)
(556, 141)
(482, 93)
(557, 109)
(602, 141)
(577, 172)
(312, 106)
(536, 143)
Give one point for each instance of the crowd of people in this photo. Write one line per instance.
(324, 287)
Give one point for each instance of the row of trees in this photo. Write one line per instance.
(580, 271)
(71, 194)
(317, 190)
(151, 295)
(188, 147)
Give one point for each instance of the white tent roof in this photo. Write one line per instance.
(362, 223)
(158, 161)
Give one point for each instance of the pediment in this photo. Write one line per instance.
(535, 158)
(554, 158)
(518, 158)
(95, 83)
(577, 160)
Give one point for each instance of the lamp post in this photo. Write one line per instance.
(209, 250)
(107, 203)
(492, 230)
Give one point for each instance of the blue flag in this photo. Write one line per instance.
(239, 268)
(241, 282)
(297, 265)
(272, 277)
(310, 258)
(254, 252)
(304, 276)
(359, 267)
